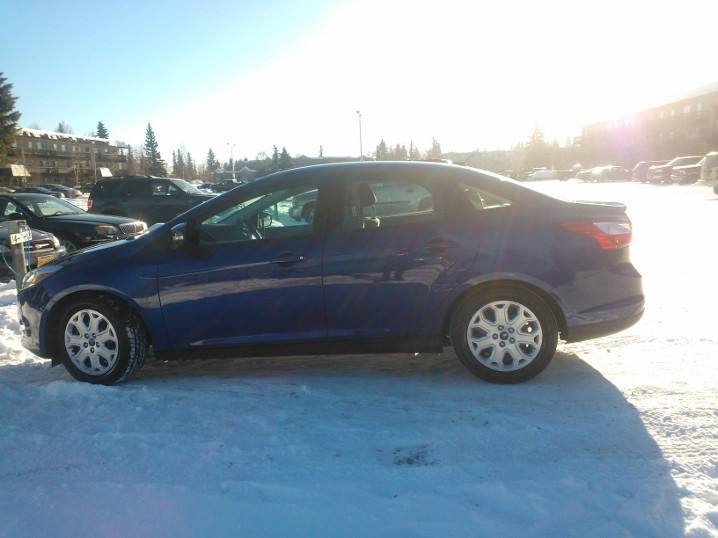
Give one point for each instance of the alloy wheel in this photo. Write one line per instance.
(504, 335)
(91, 342)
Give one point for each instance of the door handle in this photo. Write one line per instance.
(288, 259)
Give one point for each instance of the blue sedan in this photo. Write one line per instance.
(396, 257)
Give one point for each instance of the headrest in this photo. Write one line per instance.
(366, 195)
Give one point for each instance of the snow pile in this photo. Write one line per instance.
(617, 438)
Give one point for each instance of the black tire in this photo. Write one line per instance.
(132, 340)
(484, 296)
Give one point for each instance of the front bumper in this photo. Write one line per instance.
(31, 303)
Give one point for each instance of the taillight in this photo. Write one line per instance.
(609, 235)
(89, 204)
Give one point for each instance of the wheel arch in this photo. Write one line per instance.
(56, 309)
(550, 300)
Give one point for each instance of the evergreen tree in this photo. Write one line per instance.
(435, 151)
(413, 152)
(537, 151)
(181, 167)
(212, 162)
(174, 163)
(8, 117)
(382, 152)
(190, 167)
(102, 131)
(275, 156)
(154, 165)
(285, 161)
(321, 152)
(63, 127)
(130, 161)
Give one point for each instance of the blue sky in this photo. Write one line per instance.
(217, 73)
(84, 61)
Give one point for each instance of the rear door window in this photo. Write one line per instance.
(104, 189)
(374, 204)
(481, 199)
(137, 189)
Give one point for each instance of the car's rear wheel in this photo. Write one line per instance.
(100, 342)
(504, 334)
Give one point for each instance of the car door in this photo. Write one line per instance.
(168, 200)
(254, 276)
(386, 252)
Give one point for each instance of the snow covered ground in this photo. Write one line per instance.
(618, 437)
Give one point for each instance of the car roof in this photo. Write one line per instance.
(28, 196)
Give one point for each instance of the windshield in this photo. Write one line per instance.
(51, 207)
(186, 186)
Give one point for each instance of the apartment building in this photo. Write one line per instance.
(687, 125)
(65, 158)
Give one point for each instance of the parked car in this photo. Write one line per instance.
(541, 174)
(491, 266)
(709, 170)
(662, 173)
(610, 173)
(43, 248)
(40, 190)
(145, 198)
(584, 175)
(74, 227)
(640, 170)
(225, 185)
(687, 173)
(69, 192)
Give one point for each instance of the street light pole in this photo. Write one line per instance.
(231, 158)
(361, 149)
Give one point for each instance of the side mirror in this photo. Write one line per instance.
(178, 235)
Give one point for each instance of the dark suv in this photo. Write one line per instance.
(150, 199)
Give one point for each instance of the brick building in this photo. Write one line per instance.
(66, 158)
(685, 126)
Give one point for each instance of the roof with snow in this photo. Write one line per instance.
(50, 135)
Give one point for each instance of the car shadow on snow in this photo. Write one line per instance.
(426, 443)
(567, 442)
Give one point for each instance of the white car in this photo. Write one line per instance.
(709, 170)
(541, 174)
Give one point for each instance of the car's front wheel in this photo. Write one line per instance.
(100, 341)
(504, 334)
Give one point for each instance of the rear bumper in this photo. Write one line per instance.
(602, 328)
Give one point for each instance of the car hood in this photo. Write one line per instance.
(91, 218)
